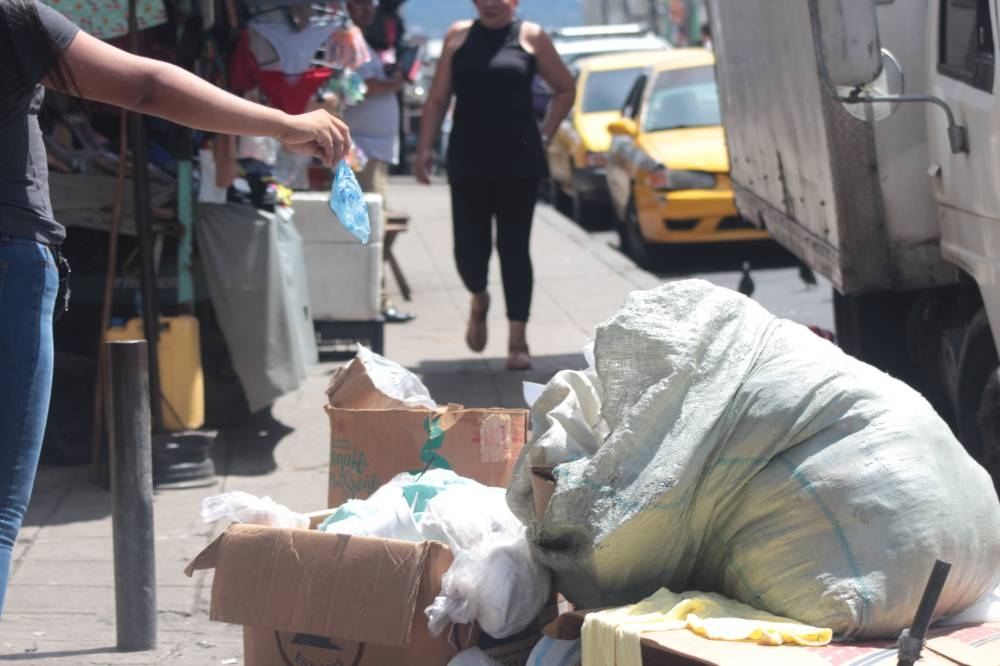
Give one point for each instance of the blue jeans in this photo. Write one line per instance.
(28, 285)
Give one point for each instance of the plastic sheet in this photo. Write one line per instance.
(348, 203)
(494, 580)
(241, 507)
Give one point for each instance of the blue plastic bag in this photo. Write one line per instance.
(347, 201)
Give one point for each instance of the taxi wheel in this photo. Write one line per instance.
(589, 214)
(632, 241)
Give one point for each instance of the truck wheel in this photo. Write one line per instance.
(978, 396)
(632, 242)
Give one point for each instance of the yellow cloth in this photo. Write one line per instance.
(611, 637)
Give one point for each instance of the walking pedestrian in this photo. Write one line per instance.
(40, 48)
(496, 154)
(374, 123)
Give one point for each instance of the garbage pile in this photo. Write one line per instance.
(716, 447)
(716, 472)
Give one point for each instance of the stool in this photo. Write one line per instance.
(395, 224)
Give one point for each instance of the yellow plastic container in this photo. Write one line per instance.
(182, 383)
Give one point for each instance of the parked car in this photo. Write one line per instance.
(576, 43)
(668, 168)
(578, 152)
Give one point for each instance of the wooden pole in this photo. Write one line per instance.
(97, 425)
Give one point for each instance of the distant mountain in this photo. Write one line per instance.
(432, 17)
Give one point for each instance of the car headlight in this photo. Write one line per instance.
(663, 178)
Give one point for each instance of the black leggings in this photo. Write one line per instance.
(473, 206)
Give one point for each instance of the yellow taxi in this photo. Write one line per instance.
(578, 151)
(668, 168)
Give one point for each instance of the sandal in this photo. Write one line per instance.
(518, 358)
(475, 333)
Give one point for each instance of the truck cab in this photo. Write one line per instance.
(896, 202)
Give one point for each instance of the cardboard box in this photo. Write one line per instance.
(308, 597)
(374, 437)
(977, 645)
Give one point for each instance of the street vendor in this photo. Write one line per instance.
(40, 48)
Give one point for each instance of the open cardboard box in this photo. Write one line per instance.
(976, 645)
(374, 437)
(309, 597)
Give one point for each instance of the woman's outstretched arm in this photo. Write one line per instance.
(103, 73)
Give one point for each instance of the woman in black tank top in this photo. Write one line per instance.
(496, 154)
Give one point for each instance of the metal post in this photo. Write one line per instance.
(911, 641)
(132, 494)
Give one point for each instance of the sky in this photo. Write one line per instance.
(432, 17)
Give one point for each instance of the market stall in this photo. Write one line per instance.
(164, 223)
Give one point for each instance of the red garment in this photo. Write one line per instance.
(244, 72)
(292, 97)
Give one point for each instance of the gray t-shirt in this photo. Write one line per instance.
(25, 210)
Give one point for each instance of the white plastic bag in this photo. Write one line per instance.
(394, 380)
(494, 578)
(501, 586)
(241, 507)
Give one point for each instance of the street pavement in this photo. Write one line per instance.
(61, 600)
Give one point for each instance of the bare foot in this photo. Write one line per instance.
(519, 359)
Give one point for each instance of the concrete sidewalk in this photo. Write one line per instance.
(60, 605)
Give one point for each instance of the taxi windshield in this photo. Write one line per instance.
(606, 91)
(683, 98)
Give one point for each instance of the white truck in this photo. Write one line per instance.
(864, 135)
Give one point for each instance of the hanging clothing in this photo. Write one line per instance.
(295, 49)
(106, 19)
(494, 135)
(291, 94)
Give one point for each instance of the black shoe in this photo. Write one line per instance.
(394, 316)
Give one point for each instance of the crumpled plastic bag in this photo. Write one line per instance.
(241, 507)
(494, 579)
(348, 202)
(395, 381)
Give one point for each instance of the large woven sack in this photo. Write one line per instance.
(719, 448)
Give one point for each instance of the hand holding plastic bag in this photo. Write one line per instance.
(348, 202)
(241, 507)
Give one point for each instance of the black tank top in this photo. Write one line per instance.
(494, 134)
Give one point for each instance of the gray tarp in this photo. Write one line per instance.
(255, 271)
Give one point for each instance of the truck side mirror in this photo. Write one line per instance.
(847, 32)
(623, 127)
